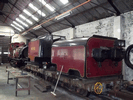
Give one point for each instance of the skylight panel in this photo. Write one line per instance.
(43, 2)
(27, 20)
(64, 1)
(29, 14)
(36, 9)
(51, 8)
(16, 27)
(41, 13)
(33, 7)
(22, 22)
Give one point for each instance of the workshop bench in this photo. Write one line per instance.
(17, 74)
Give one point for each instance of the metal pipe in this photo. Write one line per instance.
(58, 15)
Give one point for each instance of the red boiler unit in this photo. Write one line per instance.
(18, 54)
(89, 57)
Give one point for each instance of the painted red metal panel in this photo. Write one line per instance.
(12, 47)
(70, 57)
(73, 57)
(16, 53)
(33, 50)
(107, 68)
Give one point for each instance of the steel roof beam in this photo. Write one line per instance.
(115, 8)
(72, 25)
(48, 15)
(84, 9)
(11, 9)
(81, 12)
(89, 13)
(36, 22)
(103, 7)
(33, 34)
(45, 29)
(95, 10)
(12, 20)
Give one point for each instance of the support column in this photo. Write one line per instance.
(72, 33)
(117, 29)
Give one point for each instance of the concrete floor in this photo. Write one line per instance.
(7, 91)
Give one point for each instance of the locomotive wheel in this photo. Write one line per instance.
(13, 63)
(78, 90)
(127, 56)
(85, 93)
(81, 91)
(70, 88)
(73, 88)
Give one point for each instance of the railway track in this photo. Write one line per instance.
(91, 96)
(111, 95)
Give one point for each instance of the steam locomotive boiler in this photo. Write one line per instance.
(96, 56)
(18, 54)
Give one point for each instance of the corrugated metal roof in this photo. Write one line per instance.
(94, 10)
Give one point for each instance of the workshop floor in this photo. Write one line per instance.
(7, 91)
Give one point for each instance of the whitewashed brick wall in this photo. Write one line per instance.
(127, 34)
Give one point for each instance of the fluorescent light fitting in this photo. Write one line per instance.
(18, 25)
(29, 14)
(50, 7)
(27, 20)
(22, 22)
(63, 15)
(64, 1)
(36, 9)
(43, 2)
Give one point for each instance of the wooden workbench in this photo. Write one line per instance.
(16, 75)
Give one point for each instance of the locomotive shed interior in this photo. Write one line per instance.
(66, 49)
